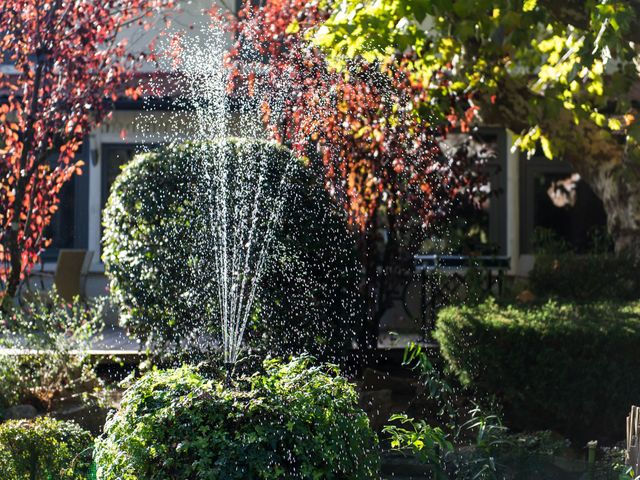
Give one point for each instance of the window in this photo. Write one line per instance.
(556, 199)
(68, 226)
(62, 229)
(113, 157)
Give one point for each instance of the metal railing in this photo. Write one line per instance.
(444, 278)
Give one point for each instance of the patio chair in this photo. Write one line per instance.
(70, 276)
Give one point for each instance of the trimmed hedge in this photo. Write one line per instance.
(586, 278)
(156, 224)
(294, 421)
(573, 368)
(44, 449)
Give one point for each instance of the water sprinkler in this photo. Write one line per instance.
(228, 366)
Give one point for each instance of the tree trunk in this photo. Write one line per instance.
(617, 183)
(15, 251)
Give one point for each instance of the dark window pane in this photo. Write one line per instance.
(62, 228)
(565, 205)
(113, 158)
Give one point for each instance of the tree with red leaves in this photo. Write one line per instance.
(381, 160)
(64, 64)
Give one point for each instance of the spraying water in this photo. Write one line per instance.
(236, 181)
(247, 206)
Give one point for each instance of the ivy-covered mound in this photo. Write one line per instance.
(294, 421)
(156, 252)
(44, 449)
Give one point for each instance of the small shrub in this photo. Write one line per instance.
(481, 448)
(429, 445)
(436, 386)
(44, 449)
(54, 337)
(156, 223)
(294, 421)
(586, 278)
(569, 367)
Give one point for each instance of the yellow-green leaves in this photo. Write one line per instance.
(614, 124)
(528, 142)
(546, 147)
(427, 443)
(294, 27)
(579, 67)
(448, 48)
(598, 118)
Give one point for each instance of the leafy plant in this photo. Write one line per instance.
(295, 420)
(46, 357)
(428, 444)
(470, 444)
(489, 438)
(436, 384)
(614, 461)
(434, 445)
(488, 428)
(44, 449)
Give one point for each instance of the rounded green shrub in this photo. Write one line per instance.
(293, 421)
(569, 367)
(157, 259)
(44, 449)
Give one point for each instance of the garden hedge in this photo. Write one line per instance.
(294, 421)
(573, 368)
(586, 278)
(154, 227)
(44, 449)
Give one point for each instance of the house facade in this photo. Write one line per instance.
(527, 195)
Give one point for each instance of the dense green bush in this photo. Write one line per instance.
(295, 420)
(155, 227)
(586, 277)
(55, 338)
(44, 449)
(573, 368)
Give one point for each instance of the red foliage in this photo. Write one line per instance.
(63, 66)
(361, 123)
